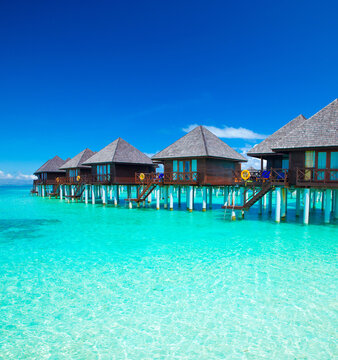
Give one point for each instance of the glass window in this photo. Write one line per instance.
(309, 159)
(285, 163)
(334, 165)
(194, 165)
(175, 165)
(321, 160)
(187, 166)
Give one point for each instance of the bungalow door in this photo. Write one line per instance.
(309, 165)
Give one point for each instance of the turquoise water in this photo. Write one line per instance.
(91, 282)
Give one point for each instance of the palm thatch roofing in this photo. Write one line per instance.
(119, 151)
(77, 161)
(199, 142)
(265, 147)
(52, 165)
(320, 130)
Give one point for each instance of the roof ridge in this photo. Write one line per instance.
(116, 147)
(204, 140)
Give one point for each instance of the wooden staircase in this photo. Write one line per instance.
(252, 200)
(149, 184)
(55, 192)
(146, 191)
(77, 192)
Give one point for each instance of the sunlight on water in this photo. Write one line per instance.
(90, 282)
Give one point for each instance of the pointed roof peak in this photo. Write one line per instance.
(265, 147)
(78, 160)
(51, 165)
(320, 130)
(199, 142)
(119, 151)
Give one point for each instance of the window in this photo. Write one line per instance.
(309, 163)
(334, 165)
(321, 165)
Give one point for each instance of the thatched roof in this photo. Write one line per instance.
(265, 147)
(78, 160)
(199, 142)
(52, 165)
(320, 130)
(119, 151)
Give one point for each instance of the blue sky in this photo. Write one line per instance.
(77, 74)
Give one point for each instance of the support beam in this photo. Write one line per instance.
(283, 205)
(278, 204)
(104, 194)
(210, 197)
(328, 198)
(336, 204)
(171, 198)
(61, 192)
(270, 201)
(165, 196)
(179, 196)
(306, 206)
(116, 195)
(204, 198)
(86, 194)
(191, 198)
(93, 194)
(298, 202)
(158, 198)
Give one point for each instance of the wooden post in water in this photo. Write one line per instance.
(225, 195)
(93, 194)
(278, 204)
(204, 198)
(328, 196)
(283, 205)
(43, 190)
(297, 202)
(306, 206)
(210, 197)
(187, 196)
(260, 211)
(86, 194)
(104, 195)
(191, 198)
(158, 198)
(336, 204)
(270, 201)
(179, 196)
(61, 192)
(171, 198)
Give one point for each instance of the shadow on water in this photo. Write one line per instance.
(13, 229)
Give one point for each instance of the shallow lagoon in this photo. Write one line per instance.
(86, 282)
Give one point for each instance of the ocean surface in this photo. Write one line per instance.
(91, 282)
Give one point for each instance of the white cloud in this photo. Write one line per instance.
(252, 162)
(25, 177)
(229, 132)
(16, 176)
(3, 175)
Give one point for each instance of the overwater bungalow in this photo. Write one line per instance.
(48, 175)
(199, 158)
(117, 164)
(305, 149)
(303, 155)
(75, 169)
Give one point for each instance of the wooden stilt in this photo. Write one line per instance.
(204, 198)
(328, 196)
(306, 206)
(278, 204)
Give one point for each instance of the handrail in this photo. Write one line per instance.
(314, 175)
(272, 175)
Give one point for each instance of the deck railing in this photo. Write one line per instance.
(312, 176)
(272, 175)
(167, 178)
